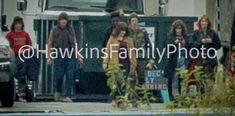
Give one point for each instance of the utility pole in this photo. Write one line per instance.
(1, 8)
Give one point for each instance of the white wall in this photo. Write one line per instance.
(199, 7)
(151, 7)
(186, 8)
(10, 10)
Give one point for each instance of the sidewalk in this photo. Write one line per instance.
(99, 109)
(77, 108)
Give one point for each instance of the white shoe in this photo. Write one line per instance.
(69, 100)
(57, 97)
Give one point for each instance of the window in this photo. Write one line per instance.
(76, 5)
(95, 5)
(128, 5)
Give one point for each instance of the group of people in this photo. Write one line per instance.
(125, 37)
(205, 36)
(125, 34)
(62, 36)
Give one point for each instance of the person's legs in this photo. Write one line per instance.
(21, 88)
(58, 77)
(176, 80)
(140, 69)
(126, 70)
(69, 85)
(182, 66)
(20, 78)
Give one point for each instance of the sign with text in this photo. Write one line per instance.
(155, 81)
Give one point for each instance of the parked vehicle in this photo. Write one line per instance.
(7, 69)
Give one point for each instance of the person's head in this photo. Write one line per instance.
(18, 24)
(121, 30)
(115, 18)
(178, 28)
(204, 23)
(134, 19)
(63, 20)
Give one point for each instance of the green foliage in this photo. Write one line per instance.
(126, 91)
(216, 93)
(211, 93)
(215, 90)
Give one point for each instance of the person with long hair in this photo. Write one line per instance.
(120, 40)
(63, 38)
(118, 49)
(177, 36)
(204, 36)
(18, 38)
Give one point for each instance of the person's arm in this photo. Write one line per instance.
(106, 37)
(11, 42)
(171, 39)
(107, 52)
(133, 56)
(49, 46)
(216, 41)
(28, 40)
(194, 41)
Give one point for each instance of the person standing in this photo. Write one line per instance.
(18, 38)
(178, 37)
(205, 36)
(141, 41)
(120, 41)
(62, 37)
(115, 18)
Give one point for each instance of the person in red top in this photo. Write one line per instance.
(17, 38)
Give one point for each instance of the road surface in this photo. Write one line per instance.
(77, 108)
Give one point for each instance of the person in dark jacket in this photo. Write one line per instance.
(115, 18)
(179, 38)
(207, 37)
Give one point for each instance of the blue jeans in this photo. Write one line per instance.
(126, 70)
(181, 63)
(64, 67)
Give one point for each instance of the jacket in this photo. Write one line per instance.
(113, 44)
(195, 42)
(169, 70)
(141, 40)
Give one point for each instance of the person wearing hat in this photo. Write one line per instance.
(63, 38)
(141, 40)
(115, 18)
(18, 38)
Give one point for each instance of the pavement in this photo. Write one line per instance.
(101, 109)
(81, 108)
